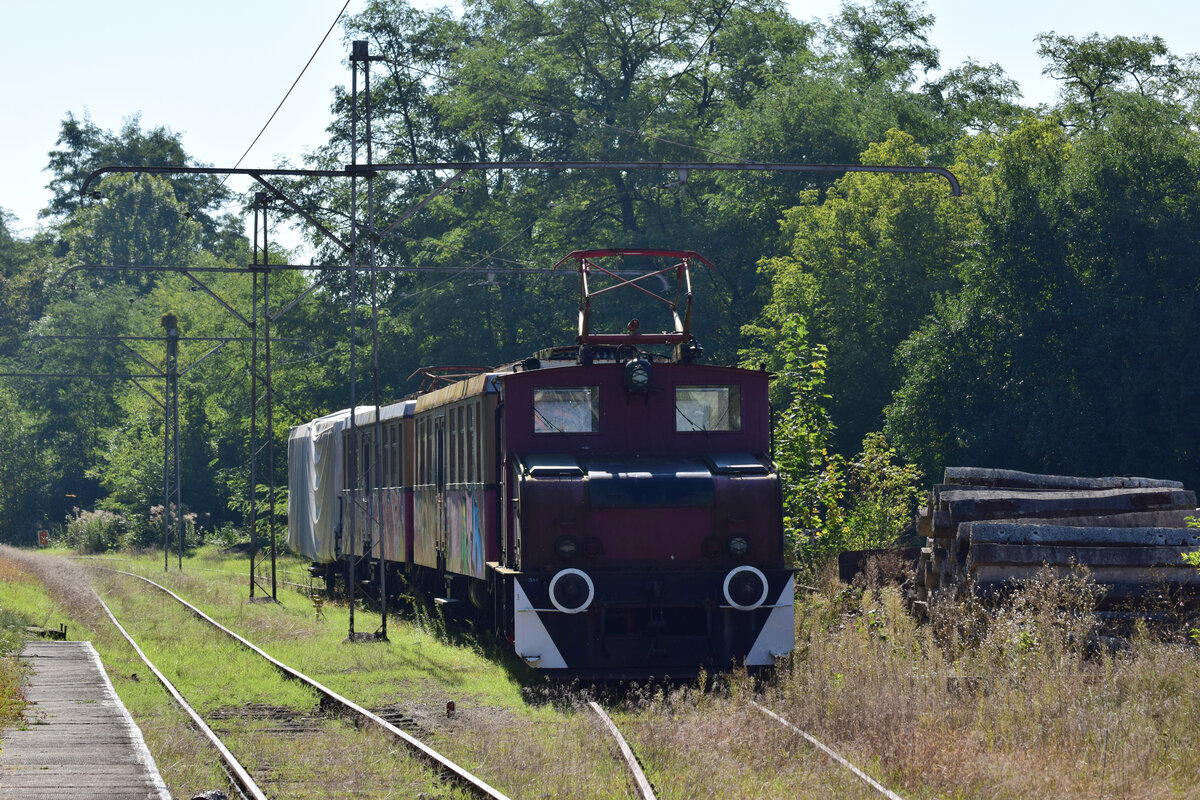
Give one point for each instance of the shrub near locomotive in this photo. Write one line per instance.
(614, 510)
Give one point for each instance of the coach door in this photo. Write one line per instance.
(439, 469)
(429, 493)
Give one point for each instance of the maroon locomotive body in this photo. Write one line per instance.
(613, 510)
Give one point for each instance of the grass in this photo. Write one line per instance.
(529, 749)
(1015, 703)
(17, 592)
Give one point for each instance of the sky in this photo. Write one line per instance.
(214, 71)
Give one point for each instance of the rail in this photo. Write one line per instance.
(639, 777)
(874, 784)
(453, 771)
(237, 773)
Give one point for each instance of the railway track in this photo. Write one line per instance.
(450, 772)
(238, 774)
(646, 790)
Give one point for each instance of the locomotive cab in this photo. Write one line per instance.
(644, 532)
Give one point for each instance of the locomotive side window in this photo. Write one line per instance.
(566, 410)
(708, 408)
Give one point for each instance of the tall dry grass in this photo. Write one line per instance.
(1024, 700)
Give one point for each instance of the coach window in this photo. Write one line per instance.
(422, 452)
(366, 480)
(396, 454)
(394, 467)
(472, 444)
(453, 452)
(566, 410)
(456, 422)
(387, 456)
(708, 408)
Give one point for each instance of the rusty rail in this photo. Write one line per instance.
(237, 773)
(874, 784)
(448, 768)
(639, 777)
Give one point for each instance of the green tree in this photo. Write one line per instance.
(138, 223)
(1097, 71)
(21, 284)
(830, 503)
(1066, 349)
(25, 471)
(577, 79)
(84, 147)
(884, 44)
(977, 97)
(864, 267)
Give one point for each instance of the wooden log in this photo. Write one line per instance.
(1175, 518)
(926, 566)
(934, 523)
(1091, 557)
(939, 489)
(1149, 578)
(1116, 595)
(977, 476)
(966, 506)
(1010, 533)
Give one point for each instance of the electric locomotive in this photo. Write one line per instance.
(611, 507)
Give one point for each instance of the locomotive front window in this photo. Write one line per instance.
(708, 408)
(566, 410)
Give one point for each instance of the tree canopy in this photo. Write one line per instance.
(1043, 321)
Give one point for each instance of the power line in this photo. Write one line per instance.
(288, 94)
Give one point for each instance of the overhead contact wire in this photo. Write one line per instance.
(288, 94)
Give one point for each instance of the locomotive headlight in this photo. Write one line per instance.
(566, 547)
(637, 376)
(738, 546)
(745, 588)
(571, 591)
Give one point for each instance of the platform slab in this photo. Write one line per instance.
(79, 740)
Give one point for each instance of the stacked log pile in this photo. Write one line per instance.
(987, 530)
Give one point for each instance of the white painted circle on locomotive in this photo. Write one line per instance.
(563, 574)
(762, 579)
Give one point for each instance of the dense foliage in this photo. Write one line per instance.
(1043, 321)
